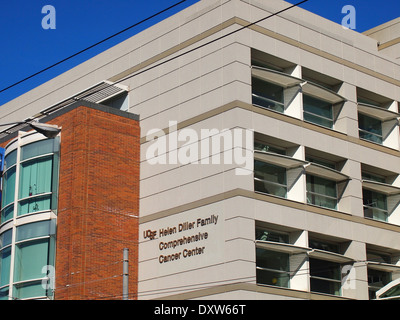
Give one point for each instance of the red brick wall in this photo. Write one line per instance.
(98, 204)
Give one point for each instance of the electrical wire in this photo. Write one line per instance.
(94, 45)
(206, 285)
(203, 45)
(167, 60)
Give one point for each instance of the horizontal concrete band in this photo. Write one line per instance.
(220, 289)
(282, 117)
(271, 199)
(242, 23)
(389, 43)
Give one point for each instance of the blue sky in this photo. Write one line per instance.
(28, 48)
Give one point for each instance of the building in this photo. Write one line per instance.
(268, 157)
(65, 205)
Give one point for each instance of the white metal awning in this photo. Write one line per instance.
(278, 159)
(282, 79)
(313, 253)
(286, 81)
(329, 256)
(386, 267)
(380, 187)
(377, 112)
(281, 247)
(325, 172)
(320, 92)
(290, 163)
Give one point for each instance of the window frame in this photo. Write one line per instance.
(278, 105)
(366, 132)
(312, 114)
(283, 238)
(373, 209)
(327, 247)
(316, 194)
(273, 184)
(326, 279)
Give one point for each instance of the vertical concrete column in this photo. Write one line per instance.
(350, 192)
(390, 129)
(296, 179)
(393, 201)
(299, 265)
(346, 115)
(393, 209)
(292, 97)
(355, 276)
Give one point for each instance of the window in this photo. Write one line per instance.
(325, 246)
(373, 177)
(375, 205)
(272, 266)
(34, 251)
(377, 279)
(370, 128)
(267, 95)
(8, 192)
(260, 146)
(35, 185)
(321, 192)
(318, 111)
(36, 177)
(5, 263)
(270, 179)
(321, 162)
(267, 235)
(325, 276)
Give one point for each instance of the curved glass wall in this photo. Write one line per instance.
(29, 202)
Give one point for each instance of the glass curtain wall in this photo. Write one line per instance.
(30, 183)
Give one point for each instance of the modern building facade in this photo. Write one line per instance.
(266, 165)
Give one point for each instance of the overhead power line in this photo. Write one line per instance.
(94, 45)
(205, 44)
(167, 60)
(163, 62)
